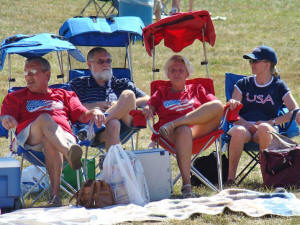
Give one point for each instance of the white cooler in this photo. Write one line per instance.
(158, 172)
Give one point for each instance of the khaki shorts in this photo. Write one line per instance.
(24, 134)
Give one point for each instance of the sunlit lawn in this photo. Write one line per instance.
(248, 23)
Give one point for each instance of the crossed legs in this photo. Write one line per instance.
(56, 143)
(119, 111)
(204, 119)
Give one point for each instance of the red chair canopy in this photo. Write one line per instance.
(180, 31)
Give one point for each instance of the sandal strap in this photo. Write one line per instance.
(186, 186)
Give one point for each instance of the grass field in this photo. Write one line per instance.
(248, 23)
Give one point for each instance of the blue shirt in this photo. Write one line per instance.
(261, 102)
(89, 91)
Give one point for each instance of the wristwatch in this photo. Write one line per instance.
(273, 122)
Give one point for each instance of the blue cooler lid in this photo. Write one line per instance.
(9, 163)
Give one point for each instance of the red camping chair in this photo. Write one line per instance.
(199, 144)
(180, 31)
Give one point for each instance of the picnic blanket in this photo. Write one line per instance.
(252, 203)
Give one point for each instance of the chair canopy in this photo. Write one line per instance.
(180, 31)
(106, 32)
(36, 45)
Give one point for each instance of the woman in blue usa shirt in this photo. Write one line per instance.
(262, 95)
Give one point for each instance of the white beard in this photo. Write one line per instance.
(102, 75)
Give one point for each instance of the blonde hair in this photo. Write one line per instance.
(178, 58)
(274, 70)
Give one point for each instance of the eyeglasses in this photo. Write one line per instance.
(102, 61)
(32, 72)
(254, 61)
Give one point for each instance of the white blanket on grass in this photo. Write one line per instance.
(254, 204)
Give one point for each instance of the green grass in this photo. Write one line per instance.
(248, 23)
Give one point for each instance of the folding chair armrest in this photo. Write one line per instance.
(151, 127)
(139, 119)
(232, 115)
(3, 131)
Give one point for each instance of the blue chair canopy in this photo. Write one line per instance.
(37, 45)
(106, 32)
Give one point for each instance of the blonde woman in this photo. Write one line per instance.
(185, 112)
(262, 95)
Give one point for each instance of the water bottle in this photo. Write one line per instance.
(112, 97)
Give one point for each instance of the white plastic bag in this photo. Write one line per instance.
(30, 176)
(125, 174)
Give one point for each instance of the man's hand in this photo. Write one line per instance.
(97, 117)
(93, 116)
(8, 122)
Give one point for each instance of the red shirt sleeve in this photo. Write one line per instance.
(156, 99)
(75, 106)
(10, 106)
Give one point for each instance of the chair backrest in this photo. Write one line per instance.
(207, 83)
(230, 81)
(117, 72)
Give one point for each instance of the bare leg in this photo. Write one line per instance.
(262, 137)
(183, 145)
(45, 128)
(205, 119)
(191, 5)
(298, 118)
(176, 4)
(121, 109)
(111, 135)
(239, 136)
(54, 162)
(157, 10)
(202, 115)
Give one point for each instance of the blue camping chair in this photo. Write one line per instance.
(35, 158)
(105, 32)
(289, 129)
(103, 8)
(33, 46)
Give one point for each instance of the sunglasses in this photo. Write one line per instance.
(102, 61)
(32, 72)
(254, 61)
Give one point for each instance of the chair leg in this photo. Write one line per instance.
(252, 164)
(219, 163)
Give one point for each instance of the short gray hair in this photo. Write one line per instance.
(42, 61)
(92, 52)
(178, 58)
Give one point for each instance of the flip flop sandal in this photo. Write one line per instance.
(166, 129)
(189, 193)
(75, 155)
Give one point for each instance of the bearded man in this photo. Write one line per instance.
(114, 97)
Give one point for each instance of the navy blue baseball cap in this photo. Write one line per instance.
(262, 53)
